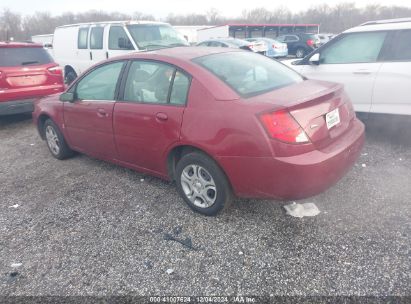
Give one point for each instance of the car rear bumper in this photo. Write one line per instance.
(297, 176)
(16, 107)
(23, 93)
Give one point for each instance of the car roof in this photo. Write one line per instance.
(12, 44)
(380, 25)
(182, 57)
(180, 53)
(123, 22)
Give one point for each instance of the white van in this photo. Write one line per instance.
(79, 46)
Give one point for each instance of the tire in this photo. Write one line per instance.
(299, 53)
(70, 77)
(55, 141)
(202, 184)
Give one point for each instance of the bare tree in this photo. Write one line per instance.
(331, 18)
(10, 25)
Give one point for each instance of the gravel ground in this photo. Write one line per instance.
(86, 227)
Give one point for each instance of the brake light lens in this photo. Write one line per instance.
(275, 46)
(56, 70)
(282, 126)
(351, 110)
(310, 42)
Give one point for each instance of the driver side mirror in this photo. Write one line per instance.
(67, 97)
(315, 59)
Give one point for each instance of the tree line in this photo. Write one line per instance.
(332, 19)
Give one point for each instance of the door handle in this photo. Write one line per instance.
(162, 116)
(101, 113)
(91, 55)
(362, 72)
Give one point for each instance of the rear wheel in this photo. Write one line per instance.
(55, 141)
(202, 184)
(300, 53)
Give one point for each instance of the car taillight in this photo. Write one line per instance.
(56, 70)
(310, 42)
(275, 46)
(282, 126)
(351, 110)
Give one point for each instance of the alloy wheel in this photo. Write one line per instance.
(52, 140)
(198, 186)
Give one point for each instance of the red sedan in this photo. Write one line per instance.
(219, 122)
(27, 72)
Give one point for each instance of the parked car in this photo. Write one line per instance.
(372, 60)
(255, 46)
(275, 49)
(27, 72)
(218, 121)
(300, 44)
(77, 47)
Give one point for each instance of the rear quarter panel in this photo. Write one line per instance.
(222, 128)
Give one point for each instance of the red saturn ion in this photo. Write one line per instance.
(218, 122)
(27, 72)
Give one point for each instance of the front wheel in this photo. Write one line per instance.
(202, 184)
(55, 141)
(300, 53)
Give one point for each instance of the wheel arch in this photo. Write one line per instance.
(177, 152)
(40, 124)
(68, 68)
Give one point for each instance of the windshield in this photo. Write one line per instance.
(249, 74)
(154, 36)
(19, 56)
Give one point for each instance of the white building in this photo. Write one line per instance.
(190, 32)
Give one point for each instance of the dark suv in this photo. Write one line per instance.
(300, 44)
(27, 72)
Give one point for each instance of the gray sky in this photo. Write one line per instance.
(161, 8)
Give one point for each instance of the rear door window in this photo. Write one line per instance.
(96, 38)
(155, 82)
(354, 48)
(24, 56)
(82, 38)
(179, 92)
(148, 82)
(401, 47)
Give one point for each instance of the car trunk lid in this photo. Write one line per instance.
(15, 77)
(311, 104)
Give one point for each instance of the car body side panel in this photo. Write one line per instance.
(143, 131)
(392, 89)
(89, 126)
(223, 127)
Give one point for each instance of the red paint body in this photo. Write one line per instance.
(20, 84)
(217, 121)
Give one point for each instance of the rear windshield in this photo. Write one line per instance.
(249, 74)
(23, 56)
